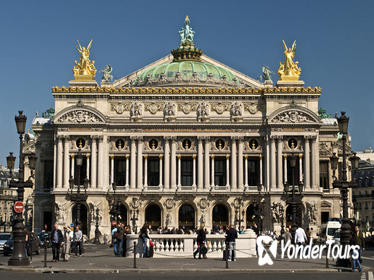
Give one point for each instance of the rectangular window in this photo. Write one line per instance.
(120, 171)
(186, 171)
(153, 171)
(324, 217)
(324, 175)
(293, 172)
(220, 171)
(253, 171)
(48, 175)
(80, 171)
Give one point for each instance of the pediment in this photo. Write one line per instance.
(126, 81)
(79, 115)
(293, 115)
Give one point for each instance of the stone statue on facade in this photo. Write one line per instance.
(136, 110)
(84, 70)
(278, 212)
(170, 109)
(289, 70)
(203, 110)
(107, 77)
(186, 33)
(311, 211)
(236, 109)
(266, 74)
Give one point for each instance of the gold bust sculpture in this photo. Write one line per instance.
(289, 70)
(84, 70)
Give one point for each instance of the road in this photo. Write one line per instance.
(182, 276)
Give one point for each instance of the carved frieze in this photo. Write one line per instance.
(170, 111)
(292, 116)
(153, 107)
(79, 116)
(119, 108)
(220, 108)
(203, 111)
(187, 107)
(251, 107)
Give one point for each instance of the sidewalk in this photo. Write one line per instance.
(100, 259)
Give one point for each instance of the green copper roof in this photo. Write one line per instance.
(186, 69)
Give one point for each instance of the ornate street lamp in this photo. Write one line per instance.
(343, 184)
(97, 232)
(78, 197)
(134, 218)
(293, 192)
(19, 248)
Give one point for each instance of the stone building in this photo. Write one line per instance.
(183, 141)
(7, 196)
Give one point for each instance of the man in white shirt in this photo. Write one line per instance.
(300, 236)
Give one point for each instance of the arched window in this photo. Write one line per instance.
(187, 216)
(220, 215)
(153, 215)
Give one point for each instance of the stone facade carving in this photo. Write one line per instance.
(60, 211)
(292, 116)
(187, 107)
(153, 108)
(169, 203)
(236, 111)
(278, 212)
(203, 111)
(170, 110)
(136, 111)
(79, 116)
(203, 203)
(311, 212)
(119, 108)
(220, 108)
(251, 108)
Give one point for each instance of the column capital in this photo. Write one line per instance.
(94, 137)
(245, 156)
(145, 156)
(285, 156)
(168, 137)
(127, 156)
(227, 156)
(234, 138)
(313, 137)
(161, 156)
(111, 156)
(87, 155)
(273, 137)
(206, 138)
(72, 156)
(300, 156)
(279, 137)
(194, 156)
(260, 156)
(307, 137)
(179, 156)
(212, 156)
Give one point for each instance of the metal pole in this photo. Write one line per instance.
(134, 254)
(227, 255)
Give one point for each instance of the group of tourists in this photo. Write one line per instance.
(66, 242)
(119, 234)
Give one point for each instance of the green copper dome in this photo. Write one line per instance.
(186, 70)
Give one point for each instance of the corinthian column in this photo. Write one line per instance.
(140, 162)
(272, 163)
(212, 183)
(234, 171)
(173, 163)
(200, 165)
(93, 162)
(194, 170)
(240, 163)
(100, 164)
(66, 162)
(306, 163)
(206, 164)
(267, 163)
(279, 162)
(167, 163)
(133, 163)
(315, 164)
(59, 169)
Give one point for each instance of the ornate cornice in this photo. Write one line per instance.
(184, 90)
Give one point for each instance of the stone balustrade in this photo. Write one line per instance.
(183, 245)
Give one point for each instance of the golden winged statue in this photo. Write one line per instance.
(84, 70)
(289, 70)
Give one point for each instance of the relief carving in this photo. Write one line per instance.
(79, 116)
(292, 116)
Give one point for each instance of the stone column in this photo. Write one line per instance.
(72, 166)
(285, 169)
(261, 183)
(133, 163)
(66, 162)
(279, 162)
(194, 170)
(246, 171)
(145, 170)
(100, 164)
(140, 163)
(106, 142)
(227, 171)
(93, 162)
(272, 163)
(179, 171)
(54, 163)
(240, 163)
(315, 163)
(200, 165)
(206, 164)
(88, 166)
(59, 162)
(161, 171)
(167, 163)
(111, 170)
(234, 171)
(301, 167)
(306, 163)
(267, 161)
(173, 163)
(212, 183)
(127, 171)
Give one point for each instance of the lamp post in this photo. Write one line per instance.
(19, 252)
(238, 212)
(294, 194)
(78, 197)
(134, 218)
(97, 232)
(343, 184)
(114, 211)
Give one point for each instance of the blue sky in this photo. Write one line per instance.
(335, 46)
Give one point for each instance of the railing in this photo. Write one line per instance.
(183, 245)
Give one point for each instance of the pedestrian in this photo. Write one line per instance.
(65, 254)
(201, 238)
(144, 237)
(231, 236)
(114, 239)
(57, 240)
(78, 241)
(300, 236)
(357, 239)
(119, 238)
(287, 236)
